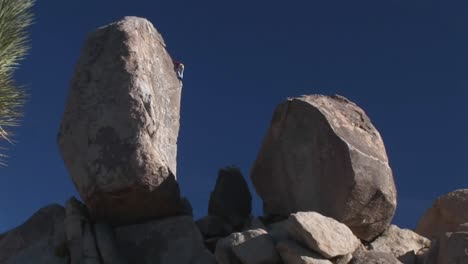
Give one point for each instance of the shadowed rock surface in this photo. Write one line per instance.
(323, 154)
(118, 135)
(231, 198)
(213, 226)
(278, 231)
(248, 247)
(254, 223)
(105, 240)
(165, 241)
(80, 239)
(36, 240)
(447, 213)
(257, 250)
(452, 248)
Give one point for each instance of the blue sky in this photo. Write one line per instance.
(404, 62)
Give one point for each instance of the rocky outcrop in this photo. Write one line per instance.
(322, 172)
(323, 154)
(40, 238)
(322, 234)
(118, 136)
(231, 198)
(249, 247)
(445, 215)
(403, 244)
(58, 236)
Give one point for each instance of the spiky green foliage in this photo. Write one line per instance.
(15, 17)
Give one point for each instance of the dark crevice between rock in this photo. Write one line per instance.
(93, 232)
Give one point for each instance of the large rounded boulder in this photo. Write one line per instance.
(323, 154)
(118, 135)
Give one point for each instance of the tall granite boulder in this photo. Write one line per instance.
(231, 198)
(323, 154)
(38, 240)
(445, 215)
(118, 136)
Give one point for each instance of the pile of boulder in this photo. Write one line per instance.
(327, 190)
(322, 173)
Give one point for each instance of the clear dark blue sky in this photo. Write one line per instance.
(405, 62)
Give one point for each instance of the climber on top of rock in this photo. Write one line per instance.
(179, 68)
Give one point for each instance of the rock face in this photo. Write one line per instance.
(344, 259)
(453, 248)
(363, 257)
(292, 253)
(257, 250)
(278, 231)
(80, 239)
(37, 239)
(401, 243)
(323, 154)
(166, 241)
(423, 255)
(90, 250)
(118, 135)
(213, 226)
(254, 223)
(249, 247)
(463, 227)
(445, 215)
(105, 241)
(322, 234)
(231, 198)
(449, 248)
